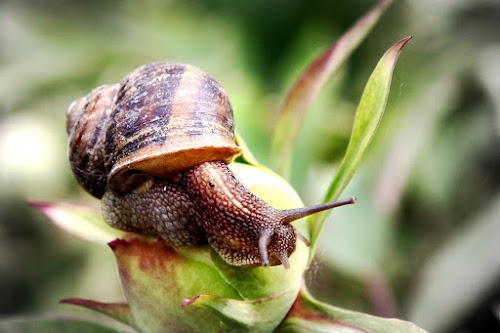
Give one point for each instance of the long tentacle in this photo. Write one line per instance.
(291, 215)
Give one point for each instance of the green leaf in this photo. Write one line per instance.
(368, 117)
(254, 283)
(259, 315)
(310, 83)
(80, 220)
(118, 311)
(62, 323)
(310, 315)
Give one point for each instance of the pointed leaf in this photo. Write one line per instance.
(118, 311)
(260, 315)
(310, 315)
(82, 221)
(368, 116)
(310, 83)
(62, 323)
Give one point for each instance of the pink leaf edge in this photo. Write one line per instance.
(190, 301)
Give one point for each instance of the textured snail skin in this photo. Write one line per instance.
(157, 208)
(207, 204)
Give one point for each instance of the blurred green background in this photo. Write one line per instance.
(423, 242)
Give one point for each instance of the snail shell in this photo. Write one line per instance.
(151, 122)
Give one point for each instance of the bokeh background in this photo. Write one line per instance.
(422, 244)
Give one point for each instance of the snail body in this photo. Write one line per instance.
(155, 150)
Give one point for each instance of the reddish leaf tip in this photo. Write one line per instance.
(186, 302)
(117, 242)
(76, 301)
(119, 311)
(38, 205)
(398, 47)
(403, 41)
(93, 304)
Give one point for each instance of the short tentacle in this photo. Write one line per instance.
(264, 240)
(302, 238)
(283, 257)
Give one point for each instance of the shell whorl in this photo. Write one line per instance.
(163, 118)
(86, 128)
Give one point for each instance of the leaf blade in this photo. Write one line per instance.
(309, 315)
(258, 315)
(117, 311)
(62, 323)
(310, 83)
(368, 116)
(83, 221)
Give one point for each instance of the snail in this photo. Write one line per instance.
(155, 148)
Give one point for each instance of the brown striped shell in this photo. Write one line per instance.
(86, 128)
(161, 119)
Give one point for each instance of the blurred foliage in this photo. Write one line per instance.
(421, 244)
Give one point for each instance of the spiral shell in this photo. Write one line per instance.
(86, 127)
(161, 119)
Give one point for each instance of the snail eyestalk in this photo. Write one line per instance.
(303, 238)
(298, 213)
